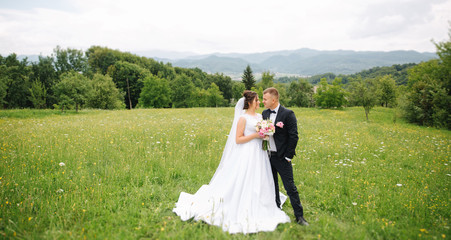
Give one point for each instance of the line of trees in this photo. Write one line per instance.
(110, 79)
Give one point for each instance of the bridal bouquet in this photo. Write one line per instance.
(265, 128)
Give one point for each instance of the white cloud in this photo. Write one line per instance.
(206, 26)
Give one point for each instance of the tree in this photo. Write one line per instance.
(237, 89)
(66, 60)
(363, 94)
(156, 93)
(15, 75)
(386, 91)
(444, 53)
(337, 94)
(104, 94)
(301, 93)
(283, 96)
(72, 89)
(215, 97)
(3, 86)
(38, 94)
(223, 82)
(321, 94)
(267, 79)
(330, 96)
(128, 77)
(259, 92)
(183, 89)
(199, 97)
(100, 58)
(44, 72)
(427, 101)
(248, 78)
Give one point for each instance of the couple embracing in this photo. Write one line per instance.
(243, 195)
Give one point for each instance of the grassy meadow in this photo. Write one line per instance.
(117, 174)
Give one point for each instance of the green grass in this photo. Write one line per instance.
(124, 171)
(36, 113)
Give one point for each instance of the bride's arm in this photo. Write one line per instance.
(240, 138)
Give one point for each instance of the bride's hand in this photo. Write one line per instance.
(257, 135)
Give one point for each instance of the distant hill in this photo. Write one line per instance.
(304, 62)
(301, 62)
(215, 64)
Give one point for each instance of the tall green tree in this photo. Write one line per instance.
(99, 59)
(38, 94)
(223, 82)
(248, 78)
(69, 59)
(444, 53)
(330, 96)
(237, 89)
(156, 93)
(183, 89)
(104, 93)
(363, 93)
(44, 71)
(386, 91)
(267, 80)
(3, 85)
(283, 94)
(199, 97)
(427, 101)
(73, 89)
(321, 94)
(338, 94)
(259, 91)
(301, 93)
(128, 77)
(16, 77)
(215, 98)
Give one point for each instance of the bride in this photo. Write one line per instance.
(240, 196)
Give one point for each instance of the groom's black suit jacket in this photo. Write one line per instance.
(286, 138)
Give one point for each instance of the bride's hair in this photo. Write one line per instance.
(249, 96)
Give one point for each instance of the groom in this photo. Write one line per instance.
(282, 149)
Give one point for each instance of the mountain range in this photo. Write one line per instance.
(302, 62)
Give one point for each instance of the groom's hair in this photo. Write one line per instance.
(272, 91)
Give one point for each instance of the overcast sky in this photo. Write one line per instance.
(208, 26)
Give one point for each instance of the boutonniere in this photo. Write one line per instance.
(279, 124)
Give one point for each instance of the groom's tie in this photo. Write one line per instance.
(272, 111)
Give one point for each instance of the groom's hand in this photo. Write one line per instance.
(288, 159)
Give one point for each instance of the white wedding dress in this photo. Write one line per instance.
(240, 197)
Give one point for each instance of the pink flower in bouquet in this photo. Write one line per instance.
(279, 124)
(265, 129)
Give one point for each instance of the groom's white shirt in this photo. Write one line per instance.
(272, 117)
(272, 143)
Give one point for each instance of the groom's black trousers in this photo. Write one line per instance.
(284, 168)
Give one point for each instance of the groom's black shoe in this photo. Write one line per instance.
(302, 221)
